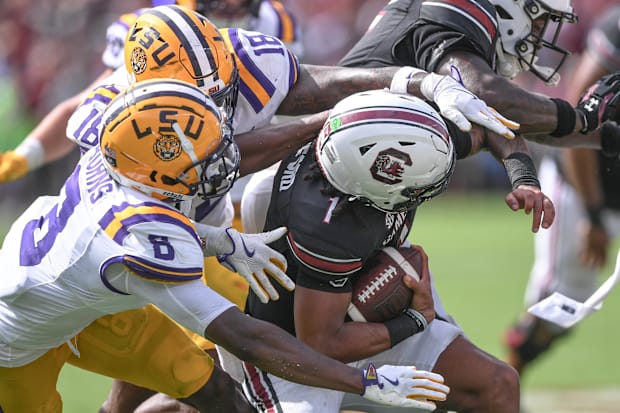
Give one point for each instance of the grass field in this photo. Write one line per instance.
(480, 253)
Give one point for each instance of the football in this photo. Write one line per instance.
(379, 293)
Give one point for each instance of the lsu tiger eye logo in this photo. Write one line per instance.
(167, 147)
(389, 166)
(138, 60)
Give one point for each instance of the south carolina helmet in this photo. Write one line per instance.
(174, 42)
(527, 27)
(167, 138)
(388, 149)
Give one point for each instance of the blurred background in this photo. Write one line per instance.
(52, 50)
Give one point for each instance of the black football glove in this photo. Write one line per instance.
(599, 102)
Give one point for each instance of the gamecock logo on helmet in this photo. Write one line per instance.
(389, 166)
(167, 148)
(138, 60)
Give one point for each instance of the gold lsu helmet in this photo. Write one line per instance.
(174, 42)
(167, 138)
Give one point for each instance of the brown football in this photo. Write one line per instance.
(379, 293)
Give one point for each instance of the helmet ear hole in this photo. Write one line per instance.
(387, 149)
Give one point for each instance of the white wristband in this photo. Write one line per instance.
(401, 78)
(33, 151)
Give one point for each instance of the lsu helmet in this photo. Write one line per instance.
(526, 27)
(167, 138)
(174, 42)
(388, 149)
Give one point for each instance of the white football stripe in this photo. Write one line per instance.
(405, 265)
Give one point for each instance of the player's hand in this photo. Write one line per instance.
(532, 199)
(422, 299)
(12, 166)
(251, 257)
(404, 386)
(599, 102)
(461, 106)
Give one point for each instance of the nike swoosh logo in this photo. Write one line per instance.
(247, 251)
(392, 382)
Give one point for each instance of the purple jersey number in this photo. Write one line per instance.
(33, 251)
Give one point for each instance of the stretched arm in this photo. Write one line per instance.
(320, 87)
(514, 155)
(536, 113)
(46, 143)
(263, 147)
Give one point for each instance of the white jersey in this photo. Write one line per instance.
(97, 248)
(267, 72)
(273, 19)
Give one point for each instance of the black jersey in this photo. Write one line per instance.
(603, 44)
(324, 248)
(420, 33)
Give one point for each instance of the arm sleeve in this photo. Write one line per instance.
(191, 304)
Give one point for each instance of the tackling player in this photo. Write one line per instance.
(570, 255)
(117, 243)
(352, 191)
(46, 143)
(489, 42)
(251, 75)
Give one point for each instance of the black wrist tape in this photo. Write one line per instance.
(610, 140)
(405, 325)
(567, 118)
(521, 170)
(594, 216)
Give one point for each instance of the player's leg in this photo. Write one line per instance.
(556, 268)
(148, 349)
(32, 387)
(478, 381)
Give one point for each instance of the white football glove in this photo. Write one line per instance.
(461, 106)
(404, 386)
(249, 255)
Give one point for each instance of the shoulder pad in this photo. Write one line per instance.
(475, 19)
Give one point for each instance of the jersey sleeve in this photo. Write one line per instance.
(449, 25)
(84, 125)
(113, 55)
(603, 42)
(267, 71)
(161, 244)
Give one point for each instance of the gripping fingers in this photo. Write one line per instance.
(277, 270)
(511, 124)
(262, 282)
(428, 389)
(258, 290)
(489, 120)
(273, 235)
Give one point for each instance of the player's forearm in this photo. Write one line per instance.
(263, 147)
(352, 342)
(320, 87)
(536, 113)
(273, 350)
(51, 131)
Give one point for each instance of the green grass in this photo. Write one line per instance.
(480, 253)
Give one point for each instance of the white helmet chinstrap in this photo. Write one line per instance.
(527, 27)
(388, 149)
